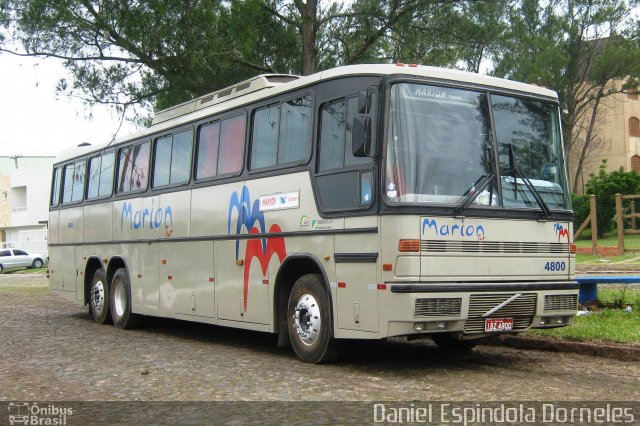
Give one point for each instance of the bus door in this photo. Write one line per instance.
(356, 257)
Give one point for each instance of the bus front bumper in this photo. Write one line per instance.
(476, 309)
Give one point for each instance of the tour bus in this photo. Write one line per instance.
(361, 202)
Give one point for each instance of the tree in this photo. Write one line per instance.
(162, 52)
(579, 48)
(158, 51)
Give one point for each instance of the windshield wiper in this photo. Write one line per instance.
(476, 188)
(515, 173)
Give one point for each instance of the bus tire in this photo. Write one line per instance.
(121, 312)
(309, 321)
(99, 298)
(450, 342)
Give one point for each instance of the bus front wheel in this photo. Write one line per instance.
(309, 321)
(99, 298)
(121, 312)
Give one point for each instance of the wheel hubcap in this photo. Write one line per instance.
(97, 296)
(307, 319)
(120, 299)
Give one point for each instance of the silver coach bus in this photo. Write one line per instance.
(361, 202)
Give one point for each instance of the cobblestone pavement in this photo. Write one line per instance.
(51, 350)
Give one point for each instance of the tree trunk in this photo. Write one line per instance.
(308, 30)
(587, 140)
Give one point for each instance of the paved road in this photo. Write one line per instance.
(51, 350)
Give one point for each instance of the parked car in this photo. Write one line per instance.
(18, 258)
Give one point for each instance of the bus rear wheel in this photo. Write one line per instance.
(309, 321)
(99, 298)
(121, 312)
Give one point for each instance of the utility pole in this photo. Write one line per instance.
(15, 158)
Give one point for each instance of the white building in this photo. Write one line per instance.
(25, 185)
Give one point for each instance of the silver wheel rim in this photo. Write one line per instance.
(119, 298)
(97, 296)
(307, 319)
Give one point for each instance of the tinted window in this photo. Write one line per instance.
(106, 174)
(336, 147)
(4, 253)
(172, 159)
(133, 171)
(264, 151)
(281, 133)
(74, 175)
(208, 143)
(100, 176)
(181, 157)
(342, 189)
(19, 253)
(220, 147)
(295, 128)
(231, 145)
(162, 161)
(55, 196)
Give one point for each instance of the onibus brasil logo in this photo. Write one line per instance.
(27, 413)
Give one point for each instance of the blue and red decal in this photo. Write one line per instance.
(561, 231)
(250, 220)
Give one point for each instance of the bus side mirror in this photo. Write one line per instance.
(361, 136)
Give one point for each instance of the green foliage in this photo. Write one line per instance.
(581, 208)
(609, 325)
(604, 186)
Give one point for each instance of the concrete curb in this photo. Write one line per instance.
(612, 351)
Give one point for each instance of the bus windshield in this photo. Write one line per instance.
(441, 149)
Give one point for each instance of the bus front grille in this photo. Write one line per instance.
(438, 307)
(560, 302)
(521, 308)
(498, 247)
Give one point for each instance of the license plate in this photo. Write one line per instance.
(498, 324)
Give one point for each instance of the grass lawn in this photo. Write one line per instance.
(607, 325)
(601, 260)
(630, 241)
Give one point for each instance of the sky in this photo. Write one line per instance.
(34, 121)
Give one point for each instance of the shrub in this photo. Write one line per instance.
(605, 186)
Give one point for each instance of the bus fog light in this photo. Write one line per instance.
(543, 321)
(441, 326)
(418, 326)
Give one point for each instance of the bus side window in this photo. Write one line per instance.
(295, 130)
(344, 181)
(100, 176)
(208, 143)
(220, 148)
(264, 148)
(172, 159)
(231, 145)
(55, 189)
(336, 147)
(74, 176)
(281, 134)
(133, 171)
